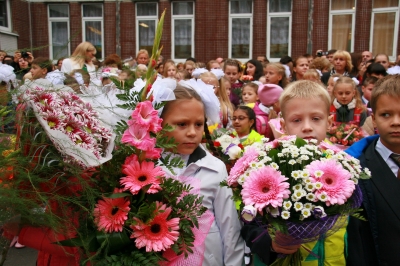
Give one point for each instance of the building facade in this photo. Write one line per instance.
(204, 29)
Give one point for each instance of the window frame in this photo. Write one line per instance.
(393, 56)
(9, 20)
(138, 18)
(58, 19)
(353, 23)
(101, 19)
(178, 17)
(278, 15)
(230, 24)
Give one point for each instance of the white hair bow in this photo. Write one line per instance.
(6, 73)
(355, 81)
(218, 73)
(198, 71)
(57, 77)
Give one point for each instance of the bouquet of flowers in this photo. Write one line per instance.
(246, 78)
(345, 134)
(300, 190)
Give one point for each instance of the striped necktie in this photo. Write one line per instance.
(396, 159)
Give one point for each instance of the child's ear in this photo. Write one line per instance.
(283, 125)
(330, 121)
(373, 120)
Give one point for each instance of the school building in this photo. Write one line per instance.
(204, 29)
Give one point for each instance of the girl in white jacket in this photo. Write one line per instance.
(223, 244)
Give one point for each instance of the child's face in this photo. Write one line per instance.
(140, 71)
(344, 93)
(331, 84)
(306, 118)
(189, 68)
(339, 64)
(241, 122)
(187, 118)
(272, 76)
(38, 72)
(171, 71)
(386, 119)
(250, 69)
(123, 76)
(178, 77)
(231, 73)
(367, 91)
(249, 95)
(228, 88)
(301, 67)
(215, 66)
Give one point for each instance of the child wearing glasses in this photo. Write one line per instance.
(244, 123)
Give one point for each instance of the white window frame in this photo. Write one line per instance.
(353, 23)
(57, 19)
(8, 28)
(101, 19)
(138, 18)
(242, 15)
(177, 17)
(278, 15)
(393, 56)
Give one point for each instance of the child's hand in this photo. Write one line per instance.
(284, 249)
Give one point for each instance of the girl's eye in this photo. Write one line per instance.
(296, 120)
(199, 124)
(181, 124)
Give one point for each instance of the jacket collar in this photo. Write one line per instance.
(197, 154)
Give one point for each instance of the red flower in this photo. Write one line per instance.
(241, 146)
(217, 144)
(149, 87)
(153, 63)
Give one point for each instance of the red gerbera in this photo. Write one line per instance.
(159, 234)
(111, 214)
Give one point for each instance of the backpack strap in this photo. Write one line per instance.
(263, 124)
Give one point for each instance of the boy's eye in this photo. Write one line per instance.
(316, 118)
(296, 120)
(385, 115)
(199, 124)
(181, 124)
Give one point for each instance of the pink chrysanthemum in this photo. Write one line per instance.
(111, 214)
(141, 175)
(335, 181)
(250, 155)
(265, 187)
(138, 137)
(146, 116)
(159, 234)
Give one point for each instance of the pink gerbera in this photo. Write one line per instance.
(250, 155)
(138, 137)
(265, 187)
(159, 234)
(111, 214)
(336, 182)
(141, 175)
(146, 116)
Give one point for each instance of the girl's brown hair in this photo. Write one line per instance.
(281, 71)
(225, 103)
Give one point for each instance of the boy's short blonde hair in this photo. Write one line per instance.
(304, 89)
(389, 85)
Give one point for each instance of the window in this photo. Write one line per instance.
(5, 15)
(240, 29)
(59, 31)
(183, 30)
(384, 28)
(341, 25)
(92, 23)
(279, 29)
(146, 22)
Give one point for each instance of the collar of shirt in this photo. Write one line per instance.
(385, 153)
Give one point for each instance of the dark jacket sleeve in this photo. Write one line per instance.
(259, 242)
(325, 77)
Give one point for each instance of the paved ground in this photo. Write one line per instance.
(21, 257)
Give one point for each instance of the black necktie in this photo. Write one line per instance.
(396, 159)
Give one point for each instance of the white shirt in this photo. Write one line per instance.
(385, 153)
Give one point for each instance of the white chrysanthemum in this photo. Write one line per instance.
(298, 187)
(310, 187)
(304, 157)
(259, 165)
(296, 174)
(298, 193)
(305, 174)
(318, 173)
(265, 140)
(367, 171)
(285, 215)
(307, 205)
(313, 141)
(280, 154)
(318, 185)
(323, 196)
(305, 213)
(275, 166)
(287, 205)
(294, 198)
(262, 154)
(307, 181)
(268, 147)
(295, 154)
(292, 162)
(241, 180)
(285, 150)
(253, 164)
(329, 152)
(355, 180)
(310, 197)
(298, 206)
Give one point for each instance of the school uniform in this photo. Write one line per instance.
(223, 244)
(377, 240)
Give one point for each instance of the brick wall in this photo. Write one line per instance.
(363, 26)
(320, 25)
(127, 26)
(20, 23)
(75, 14)
(110, 28)
(259, 28)
(40, 30)
(299, 27)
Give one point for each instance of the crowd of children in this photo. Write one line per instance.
(305, 101)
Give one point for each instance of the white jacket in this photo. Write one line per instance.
(224, 245)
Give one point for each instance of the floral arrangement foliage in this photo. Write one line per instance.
(296, 189)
